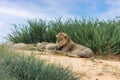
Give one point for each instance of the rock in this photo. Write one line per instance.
(8, 44)
(19, 45)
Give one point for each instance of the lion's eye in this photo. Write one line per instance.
(61, 39)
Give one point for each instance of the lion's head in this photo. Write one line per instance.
(62, 39)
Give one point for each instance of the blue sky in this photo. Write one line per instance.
(17, 11)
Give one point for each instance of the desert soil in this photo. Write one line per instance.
(86, 69)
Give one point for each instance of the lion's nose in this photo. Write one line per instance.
(57, 41)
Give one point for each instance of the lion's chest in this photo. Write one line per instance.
(68, 48)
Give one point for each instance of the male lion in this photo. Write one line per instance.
(72, 49)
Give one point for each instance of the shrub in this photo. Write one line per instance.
(16, 67)
(101, 36)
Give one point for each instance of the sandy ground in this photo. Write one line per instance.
(85, 68)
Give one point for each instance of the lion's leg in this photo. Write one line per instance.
(87, 53)
(55, 51)
(71, 55)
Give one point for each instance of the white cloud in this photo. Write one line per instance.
(1, 24)
(14, 12)
(5, 27)
(50, 12)
(110, 14)
(113, 2)
(4, 30)
(20, 13)
(113, 10)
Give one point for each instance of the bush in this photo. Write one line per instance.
(16, 67)
(101, 36)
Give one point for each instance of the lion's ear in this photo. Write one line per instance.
(65, 36)
(56, 36)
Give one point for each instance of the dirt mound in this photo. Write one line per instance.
(85, 68)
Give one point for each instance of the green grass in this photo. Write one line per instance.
(103, 37)
(18, 67)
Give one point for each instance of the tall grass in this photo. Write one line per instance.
(17, 67)
(102, 37)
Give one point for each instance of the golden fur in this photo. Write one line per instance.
(65, 44)
(46, 45)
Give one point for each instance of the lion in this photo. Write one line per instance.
(72, 49)
(46, 46)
